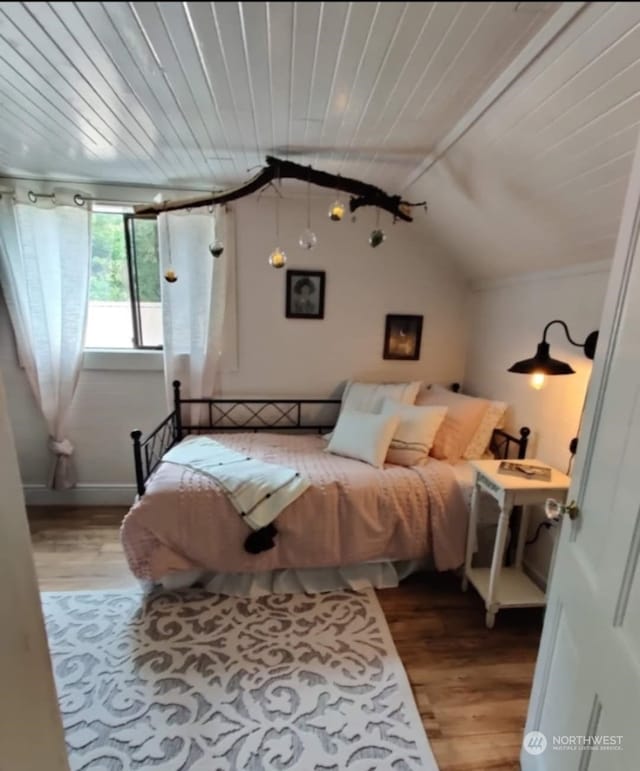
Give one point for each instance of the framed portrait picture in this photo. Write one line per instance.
(402, 337)
(305, 294)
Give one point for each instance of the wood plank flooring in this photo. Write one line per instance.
(471, 685)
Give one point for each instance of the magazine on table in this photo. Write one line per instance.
(525, 470)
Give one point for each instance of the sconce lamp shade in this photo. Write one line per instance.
(542, 363)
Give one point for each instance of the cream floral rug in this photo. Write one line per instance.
(201, 682)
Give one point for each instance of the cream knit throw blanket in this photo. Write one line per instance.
(258, 491)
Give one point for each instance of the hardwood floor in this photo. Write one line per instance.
(471, 684)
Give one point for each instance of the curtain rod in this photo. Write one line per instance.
(79, 199)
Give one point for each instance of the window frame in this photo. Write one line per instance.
(98, 354)
(129, 219)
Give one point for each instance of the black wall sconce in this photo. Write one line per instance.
(541, 365)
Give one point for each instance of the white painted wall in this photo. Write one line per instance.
(276, 356)
(407, 274)
(507, 320)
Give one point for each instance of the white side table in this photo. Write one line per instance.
(499, 586)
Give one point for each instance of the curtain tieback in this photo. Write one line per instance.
(63, 447)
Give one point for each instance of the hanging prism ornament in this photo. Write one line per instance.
(308, 238)
(278, 257)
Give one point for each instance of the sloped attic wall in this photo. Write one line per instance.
(538, 181)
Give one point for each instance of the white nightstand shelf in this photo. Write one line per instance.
(515, 590)
(499, 586)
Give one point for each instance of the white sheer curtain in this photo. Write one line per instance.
(44, 268)
(193, 308)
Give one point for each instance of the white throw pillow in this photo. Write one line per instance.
(368, 397)
(363, 436)
(415, 433)
(491, 419)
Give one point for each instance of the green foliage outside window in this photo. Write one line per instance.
(109, 274)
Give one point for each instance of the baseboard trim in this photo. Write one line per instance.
(81, 495)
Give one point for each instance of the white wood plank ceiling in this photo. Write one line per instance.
(539, 181)
(192, 94)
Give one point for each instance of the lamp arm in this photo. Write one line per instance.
(566, 331)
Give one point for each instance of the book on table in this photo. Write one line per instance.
(525, 470)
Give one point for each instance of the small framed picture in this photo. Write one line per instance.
(402, 336)
(305, 294)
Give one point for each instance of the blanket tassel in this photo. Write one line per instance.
(261, 540)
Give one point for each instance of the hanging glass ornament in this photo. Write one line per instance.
(216, 248)
(308, 239)
(336, 211)
(170, 276)
(377, 235)
(277, 258)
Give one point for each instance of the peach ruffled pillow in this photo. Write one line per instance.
(463, 417)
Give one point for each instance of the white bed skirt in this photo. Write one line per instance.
(378, 575)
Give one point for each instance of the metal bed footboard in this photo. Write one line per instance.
(283, 415)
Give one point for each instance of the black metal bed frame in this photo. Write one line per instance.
(305, 415)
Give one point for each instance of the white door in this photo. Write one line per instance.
(586, 692)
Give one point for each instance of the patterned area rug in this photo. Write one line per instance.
(201, 682)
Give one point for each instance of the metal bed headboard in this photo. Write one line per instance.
(284, 415)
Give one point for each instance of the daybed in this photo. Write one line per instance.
(355, 522)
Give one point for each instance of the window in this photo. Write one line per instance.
(124, 284)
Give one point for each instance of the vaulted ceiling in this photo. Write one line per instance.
(515, 120)
(194, 94)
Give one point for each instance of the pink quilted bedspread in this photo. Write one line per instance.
(352, 513)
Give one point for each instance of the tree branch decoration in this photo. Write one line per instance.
(362, 194)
